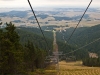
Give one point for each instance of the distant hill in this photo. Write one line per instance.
(20, 14)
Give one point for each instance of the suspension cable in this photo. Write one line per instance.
(79, 21)
(84, 46)
(38, 24)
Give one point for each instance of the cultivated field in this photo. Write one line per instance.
(76, 68)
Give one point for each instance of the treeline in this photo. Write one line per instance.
(91, 62)
(15, 58)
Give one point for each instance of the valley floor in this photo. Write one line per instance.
(76, 68)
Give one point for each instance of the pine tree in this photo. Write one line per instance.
(34, 57)
(30, 55)
(11, 51)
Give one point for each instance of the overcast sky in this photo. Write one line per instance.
(48, 3)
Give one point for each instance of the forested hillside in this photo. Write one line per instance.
(82, 36)
(66, 49)
(34, 35)
(16, 59)
(25, 48)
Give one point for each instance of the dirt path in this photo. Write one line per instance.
(55, 46)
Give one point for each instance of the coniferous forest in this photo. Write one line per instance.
(23, 50)
(16, 58)
(81, 37)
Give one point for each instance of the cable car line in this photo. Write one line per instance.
(38, 24)
(84, 46)
(79, 21)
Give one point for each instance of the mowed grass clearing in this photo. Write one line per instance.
(76, 68)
